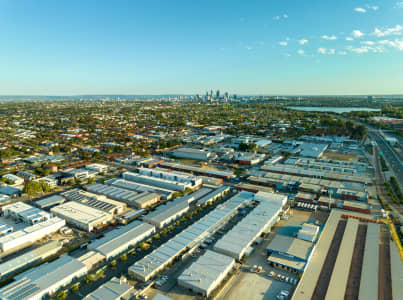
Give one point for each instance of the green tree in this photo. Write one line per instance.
(91, 180)
(123, 257)
(32, 188)
(62, 295)
(113, 263)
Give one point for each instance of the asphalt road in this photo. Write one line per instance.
(389, 155)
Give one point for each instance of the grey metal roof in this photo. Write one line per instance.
(114, 289)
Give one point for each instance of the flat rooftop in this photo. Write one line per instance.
(288, 245)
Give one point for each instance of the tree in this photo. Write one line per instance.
(75, 287)
(113, 263)
(31, 188)
(156, 236)
(62, 295)
(91, 180)
(123, 257)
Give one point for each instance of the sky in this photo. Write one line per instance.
(274, 47)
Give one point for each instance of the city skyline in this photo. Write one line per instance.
(264, 48)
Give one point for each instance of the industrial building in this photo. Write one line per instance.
(204, 275)
(4, 198)
(50, 181)
(5, 229)
(212, 196)
(190, 238)
(248, 158)
(81, 216)
(312, 150)
(99, 202)
(99, 168)
(321, 174)
(44, 280)
(287, 252)
(16, 180)
(165, 180)
(308, 232)
(166, 213)
(117, 241)
(20, 211)
(114, 289)
(354, 259)
(253, 188)
(238, 240)
(10, 191)
(48, 202)
(30, 234)
(28, 259)
(197, 170)
(197, 154)
(139, 187)
(132, 198)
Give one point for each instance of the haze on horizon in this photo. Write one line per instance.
(135, 47)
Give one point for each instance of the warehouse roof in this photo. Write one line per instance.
(113, 289)
(289, 245)
(204, 272)
(50, 201)
(80, 212)
(167, 210)
(139, 187)
(118, 237)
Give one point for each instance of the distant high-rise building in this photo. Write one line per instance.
(370, 98)
(217, 94)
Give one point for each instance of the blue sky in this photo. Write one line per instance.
(160, 46)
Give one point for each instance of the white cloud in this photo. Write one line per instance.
(372, 7)
(277, 18)
(248, 48)
(303, 42)
(326, 51)
(329, 38)
(369, 43)
(283, 43)
(399, 4)
(349, 38)
(397, 30)
(396, 44)
(301, 52)
(357, 33)
(360, 10)
(287, 54)
(322, 50)
(342, 53)
(366, 49)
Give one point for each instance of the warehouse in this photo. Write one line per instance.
(305, 197)
(28, 259)
(4, 198)
(214, 195)
(91, 259)
(29, 235)
(139, 187)
(5, 229)
(46, 279)
(329, 175)
(191, 237)
(204, 275)
(191, 153)
(226, 175)
(81, 216)
(166, 213)
(253, 188)
(289, 253)
(165, 180)
(99, 168)
(99, 202)
(248, 158)
(25, 213)
(14, 179)
(349, 255)
(10, 191)
(48, 202)
(195, 196)
(236, 242)
(132, 198)
(312, 150)
(117, 241)
(114, 289)
(308, 232)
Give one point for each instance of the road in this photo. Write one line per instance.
(380, 186)
(389, 155)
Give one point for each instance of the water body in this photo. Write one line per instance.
(338, 110)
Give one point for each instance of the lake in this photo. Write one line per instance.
(338, 110)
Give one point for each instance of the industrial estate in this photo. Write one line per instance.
(201, 197)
